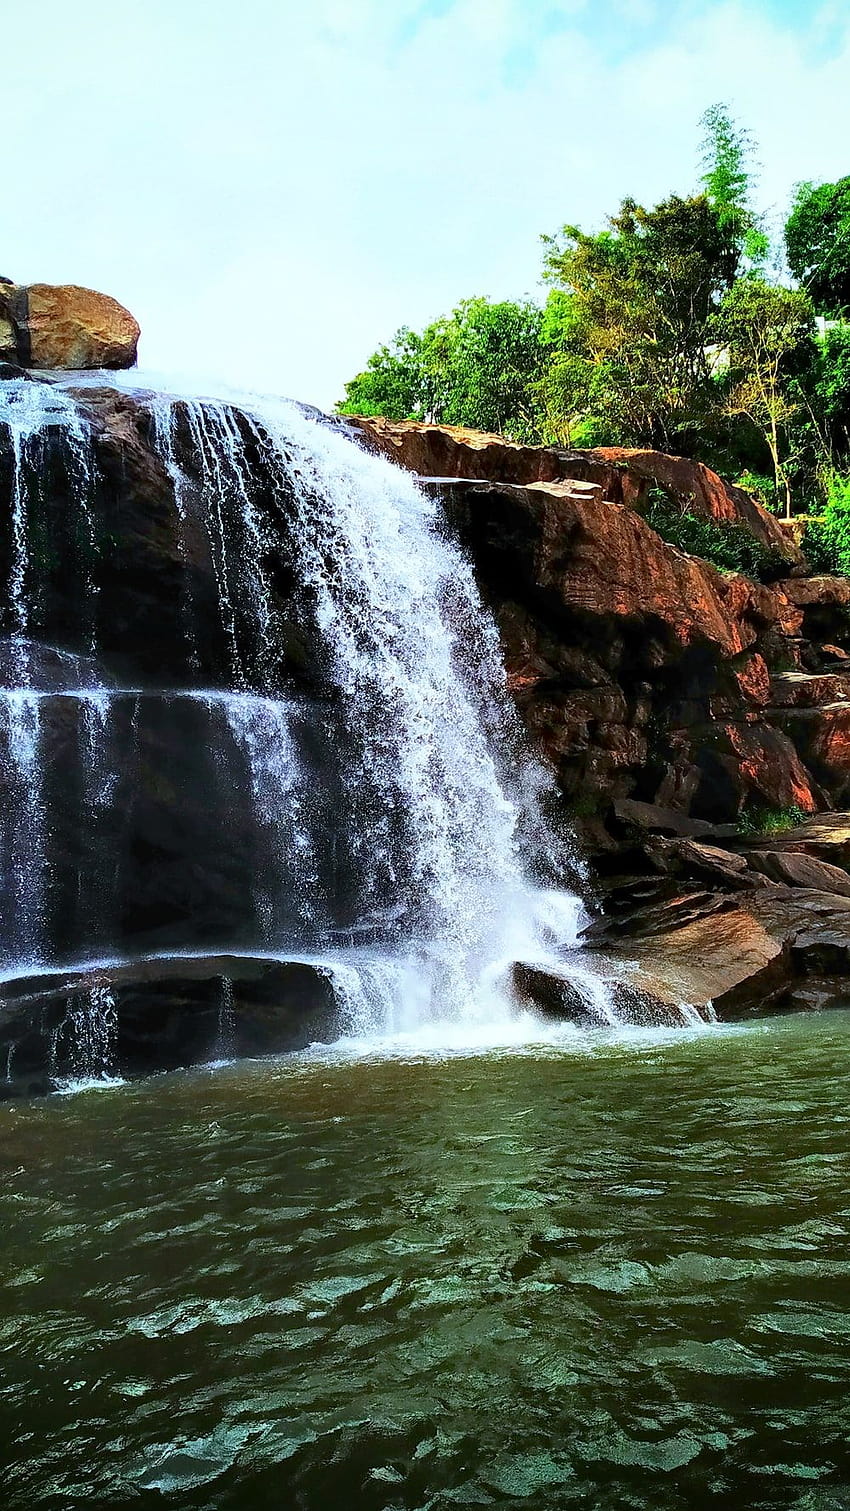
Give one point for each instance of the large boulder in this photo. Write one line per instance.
(743, 955)
(44, 325)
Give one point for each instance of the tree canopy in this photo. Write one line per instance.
(668, 327)
(477, 367)
(640, 295)
(817, 242)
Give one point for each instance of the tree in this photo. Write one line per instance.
(392, 382)
(727, 153)
(478, 366)
(817, 242)
(831, 395)
(639, 299)
(768, 330)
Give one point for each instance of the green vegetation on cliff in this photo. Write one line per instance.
(728, 546)
(675, 327)
(480, 366)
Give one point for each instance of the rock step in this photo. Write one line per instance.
(800, 689)
(168, 1013)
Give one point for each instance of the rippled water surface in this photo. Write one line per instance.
(605, 1275)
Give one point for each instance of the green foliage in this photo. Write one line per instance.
(768, 332)
(478, 366)
(392, 383)
(826, 542)
(761, 487)
(727, 546)
(831, 387)
(634, 309)
(817, 243)
(758, 820)
(727, 159)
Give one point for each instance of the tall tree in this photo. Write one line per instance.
(728, 162)
(768, 331)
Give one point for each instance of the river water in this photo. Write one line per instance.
(593, 1272)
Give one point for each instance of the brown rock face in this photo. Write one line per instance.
(706, 493)
(623, 476)
(643, 672)
(46, 325)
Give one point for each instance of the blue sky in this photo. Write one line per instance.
(273, 187)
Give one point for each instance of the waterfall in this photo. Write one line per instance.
(345, 782)
(416, 669)
(89, 1032)
(22, 834)
(32, 413)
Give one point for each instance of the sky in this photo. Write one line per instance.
(273, 187)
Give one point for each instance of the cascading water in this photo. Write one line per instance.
(356, 704)
(416, 667)
(31, 413)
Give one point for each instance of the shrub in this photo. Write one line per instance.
(765, 821)
(730, 547)
(826, 542)
(762, 488)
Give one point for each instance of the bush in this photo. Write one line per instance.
(729, 547)
(762, 488)
(826, 542)
(757, 821)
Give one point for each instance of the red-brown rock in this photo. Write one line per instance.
(622, 475)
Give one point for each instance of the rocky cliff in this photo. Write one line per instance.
(683, 709)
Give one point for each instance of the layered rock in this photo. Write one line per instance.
(677, 704)
(623, 476)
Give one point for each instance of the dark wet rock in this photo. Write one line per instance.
(551, 995)
(653, 819)
(170, 1013)
(707, 863)
(31, 663)
(562, 998)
